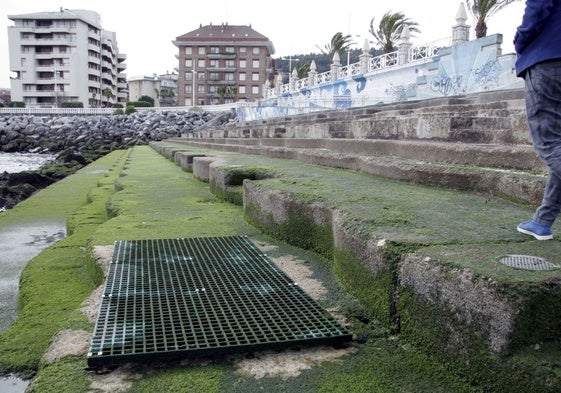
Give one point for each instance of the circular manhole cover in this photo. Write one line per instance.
(527, 262)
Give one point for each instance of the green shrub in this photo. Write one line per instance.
(118, 111)
(72, 105)
(117, 105)
(16, 104)
(130, 109)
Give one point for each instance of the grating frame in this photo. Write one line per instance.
(527, 262)
(167, 299)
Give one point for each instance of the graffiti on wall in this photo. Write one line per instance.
(457, 70)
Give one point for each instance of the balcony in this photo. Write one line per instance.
(214, 56)
(221, 69)
(221, 82)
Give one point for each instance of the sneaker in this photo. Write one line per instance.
(533, 228)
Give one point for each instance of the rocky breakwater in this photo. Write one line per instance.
(79, 140)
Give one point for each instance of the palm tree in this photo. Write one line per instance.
(339, 44)
(390, 28)
(302, 69)
(482, 10)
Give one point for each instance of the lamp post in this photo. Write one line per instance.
(290, 58)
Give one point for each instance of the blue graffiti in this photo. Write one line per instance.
(447, 85)
(488, 73)
(401, 92)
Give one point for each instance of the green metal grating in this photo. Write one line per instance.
(168, 299)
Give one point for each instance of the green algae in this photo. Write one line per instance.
(156, 199)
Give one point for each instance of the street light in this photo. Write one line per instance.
(290, 58)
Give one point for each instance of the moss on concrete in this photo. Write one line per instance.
(54, 283)
(156, 199)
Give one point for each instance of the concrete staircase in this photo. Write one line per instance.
(476, 143)
(424, 259)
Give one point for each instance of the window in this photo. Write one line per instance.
(188, 51)
(213, 63)
(242, 77)
(201, 63)
(188, 63)
(201, 76)
(188, 89)
(23, 61)
(214, 76)
(230, 64)
(241, 89)
(189, 76)
(243, 63)
(243, 49)
(230, 49)
(201, 88)
(255, 90)
(188, 102)
(229, 76)
(255, 77)
(256, 50)
(213, 89)
(255, 63)
(214, 49)
(201, 50)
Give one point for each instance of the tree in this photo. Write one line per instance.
(302, 69)
(389, 29)
(483, 10)
(167, 96)
(339, 44)
(147, 99)
(107, 93)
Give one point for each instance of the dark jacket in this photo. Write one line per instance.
(538, 39)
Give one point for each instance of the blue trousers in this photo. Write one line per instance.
(543, 107)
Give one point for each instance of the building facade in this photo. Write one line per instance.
(222, 63)
(144, 86)
(162, 88)
(65, 56)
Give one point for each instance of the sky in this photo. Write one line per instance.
(146, 33)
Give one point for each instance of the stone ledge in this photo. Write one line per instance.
(451, 296)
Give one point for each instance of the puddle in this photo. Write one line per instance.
(19, 244)
(11, 384)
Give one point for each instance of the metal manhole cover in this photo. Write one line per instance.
(527, 262)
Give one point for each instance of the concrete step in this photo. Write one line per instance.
(424, 259)
(510, 171)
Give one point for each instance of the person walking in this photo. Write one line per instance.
(537, 43)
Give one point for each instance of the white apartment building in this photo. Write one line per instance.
(144, 86)
(65, 56)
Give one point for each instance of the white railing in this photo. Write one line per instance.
(383, 61)
(57, 111)
(109, 111)
(429, 50)
(417, 53)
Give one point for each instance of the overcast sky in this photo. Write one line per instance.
(145, 33)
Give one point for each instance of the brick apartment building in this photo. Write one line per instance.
(222, 63)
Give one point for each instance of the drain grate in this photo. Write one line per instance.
(527, 262)
(167, 299)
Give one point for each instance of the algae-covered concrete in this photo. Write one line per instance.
(365, 227)
(422, 259)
